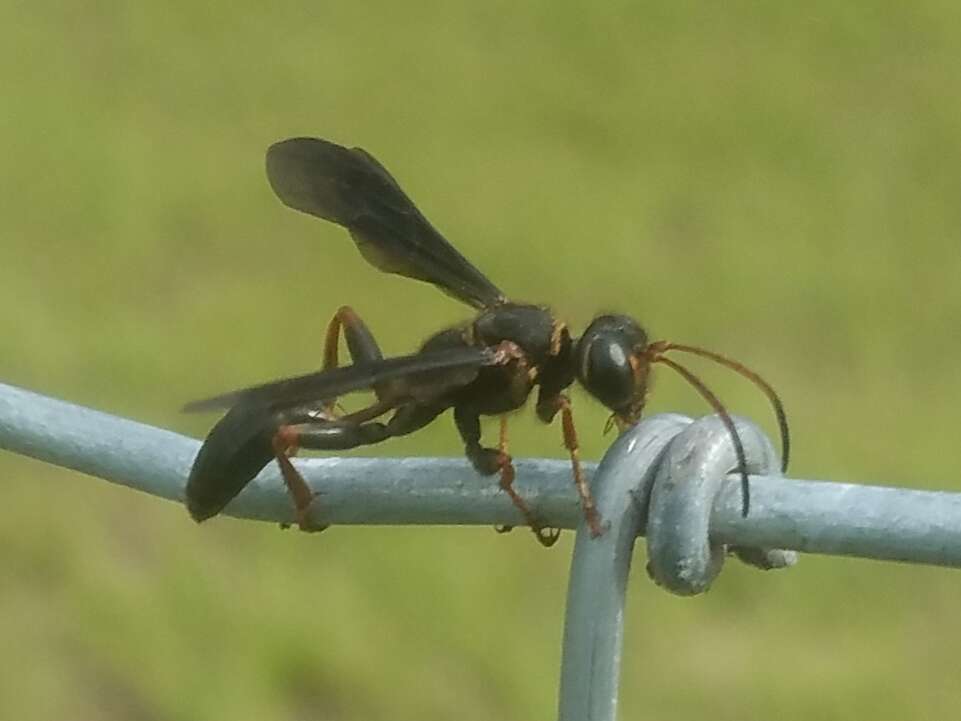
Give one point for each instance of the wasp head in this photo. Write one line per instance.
(611, 364)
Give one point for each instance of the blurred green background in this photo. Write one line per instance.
(778, 183)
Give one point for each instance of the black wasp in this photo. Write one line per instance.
(488, 366)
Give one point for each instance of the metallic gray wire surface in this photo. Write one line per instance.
(666, 477)
(810, 516)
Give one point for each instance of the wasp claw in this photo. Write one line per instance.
(594, 523)
(304, 522)
(503, 529)
(547, 537)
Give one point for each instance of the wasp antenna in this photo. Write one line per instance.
(756, 379)
(725, 417)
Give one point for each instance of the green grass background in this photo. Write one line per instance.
(781, 183)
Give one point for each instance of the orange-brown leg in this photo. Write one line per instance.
(547, 537)
(285, 444)
(580, 482)
(362, 348)
(502, 446)
(489, 461)
(360, 343)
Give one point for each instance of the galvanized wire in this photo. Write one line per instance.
(661, 479)
(811, 516)
(667, 477)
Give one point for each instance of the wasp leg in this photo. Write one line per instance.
(285, 443)
(488, 461)
(583, 489)
(360, 341)
(338, 436)
(361, 345)
(547, 408)
(503, 447)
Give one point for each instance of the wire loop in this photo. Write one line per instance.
(682, 557)
(660, 477)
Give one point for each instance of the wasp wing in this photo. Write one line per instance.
(241, 443)
(349, 187)
(237, 448)
(423, 374)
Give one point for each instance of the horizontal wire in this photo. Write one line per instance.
(810, 516)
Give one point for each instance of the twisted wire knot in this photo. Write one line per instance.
(671, 469)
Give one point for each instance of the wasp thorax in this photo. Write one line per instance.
(610, 363)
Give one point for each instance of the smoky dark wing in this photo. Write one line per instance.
(235, 450)
(440, 369)
(349, 187)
